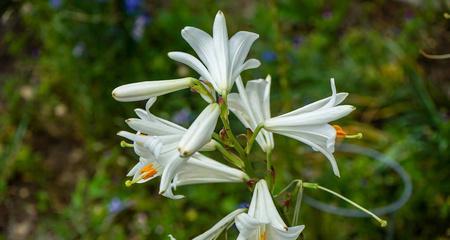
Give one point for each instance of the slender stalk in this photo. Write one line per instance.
(287, 187)
(233, 159)
(298, 203)
(253, 138)
(382, 222)
(226, 125)
(270, 177)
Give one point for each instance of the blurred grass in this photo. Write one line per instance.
(62, 170)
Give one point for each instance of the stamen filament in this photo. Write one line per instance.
(383, 223)
(356, 136)
(125, 144)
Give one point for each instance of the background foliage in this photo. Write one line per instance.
(61, 167)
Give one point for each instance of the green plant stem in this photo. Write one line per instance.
(298, 203)
(249, 146)
(226, 125)
(233, 159)
(270, 178)
(382, 222)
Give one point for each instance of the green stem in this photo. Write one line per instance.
(226, 125)
(382, 222)
(298, 203)
(270, 178)
(287, 187)
(253, 138)
(233, 159)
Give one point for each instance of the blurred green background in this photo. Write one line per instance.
(62, 170)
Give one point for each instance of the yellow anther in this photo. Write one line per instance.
(263, 236)
(125, 144)
(128, 183)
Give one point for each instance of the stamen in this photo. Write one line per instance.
(125, 144)
(148, 171)
(263, 236)
(340, 133)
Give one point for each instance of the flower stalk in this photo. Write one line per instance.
(383, 223)
(253, 138)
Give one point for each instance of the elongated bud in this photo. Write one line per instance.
(145, 90)
(200, 132)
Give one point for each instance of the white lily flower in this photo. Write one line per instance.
(156, 143)
(222, 59)
(147, 89)
(252, 107)
(262, 222)
(214, 232)
(200, 131)
(309, 124)
(174, 170)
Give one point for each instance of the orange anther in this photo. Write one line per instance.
(148, 171)
(340, 133)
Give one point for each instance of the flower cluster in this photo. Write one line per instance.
(176, 154)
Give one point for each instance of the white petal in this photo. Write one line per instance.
(247, 226)
(218, 228)
(155, 128)
(145, 90)
(291, 233)
(316, 117)
(203, 45)
(240, 45)
(236, 106)
(170, 170)
(150, 103)
(220, 38)
(192, 62)
(201, 42)
(262, 207)
(319, 148)
(249, 64)
(201, 169)
(340, 97)
(200, 132)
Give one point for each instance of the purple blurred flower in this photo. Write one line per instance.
(327, 14)
(298, 41)
(139, 26)
(408, 15)
(183, 116)
(132, 6)
(116, 205)
(55, 4)
(269, 56)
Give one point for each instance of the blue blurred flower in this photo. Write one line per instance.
(298, 41)
(243, 205)
(269, 56)
(79, 49)
(139, 26)
(55, 4)
(183, 116)
(116, 205)
(132, 6)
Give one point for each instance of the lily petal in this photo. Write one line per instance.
(200, 131)
(145, 90)
(217, 229)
